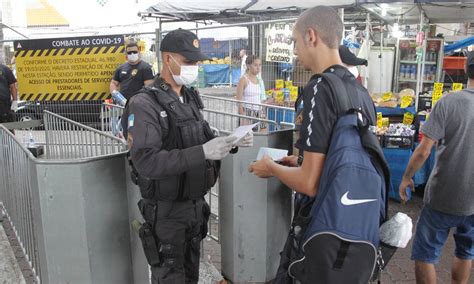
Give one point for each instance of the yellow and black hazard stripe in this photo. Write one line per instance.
(70, 51)
(64, 96)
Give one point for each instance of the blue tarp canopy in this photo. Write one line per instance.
(221, 49)
(460, 44)
(218, 74)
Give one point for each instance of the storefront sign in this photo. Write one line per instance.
(279, 43)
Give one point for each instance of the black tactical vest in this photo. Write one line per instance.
(187, 128)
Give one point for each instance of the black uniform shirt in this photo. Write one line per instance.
(132, 77)
(145, 125)
(320, 113)
(6, 79)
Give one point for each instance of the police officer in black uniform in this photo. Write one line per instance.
(175, 160)
(131, 76)
(8, 94)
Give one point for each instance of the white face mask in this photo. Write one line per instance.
(188, 74)
(132, 58)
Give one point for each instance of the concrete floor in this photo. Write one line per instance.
(10, 271)
(399, 270)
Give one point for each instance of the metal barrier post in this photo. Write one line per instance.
(254, 214)
(67, 210)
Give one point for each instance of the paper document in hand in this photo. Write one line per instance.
(241, 131)
(275, 154)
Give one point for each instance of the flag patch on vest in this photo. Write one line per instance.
(131, 120)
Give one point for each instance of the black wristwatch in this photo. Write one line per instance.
(300, 160)
(234, 150)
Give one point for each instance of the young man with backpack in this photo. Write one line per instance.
(357, 195)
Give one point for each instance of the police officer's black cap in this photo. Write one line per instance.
(349, 58)
(185, 43)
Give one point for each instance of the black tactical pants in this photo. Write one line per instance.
(178, 228)
(6, 115)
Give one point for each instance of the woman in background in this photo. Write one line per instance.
(251, 89)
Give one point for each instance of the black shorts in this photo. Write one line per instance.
(6, 114)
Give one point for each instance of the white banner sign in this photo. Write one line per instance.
(279, 43)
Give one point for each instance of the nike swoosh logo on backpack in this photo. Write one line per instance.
(346, 201)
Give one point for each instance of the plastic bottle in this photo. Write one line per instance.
(119, 98)
(402, 71)
(286, 96)
(413, 72)
(31, 141)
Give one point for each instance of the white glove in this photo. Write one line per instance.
(14, 106)
(218, 148)
(246, 141)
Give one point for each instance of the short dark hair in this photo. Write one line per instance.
(131, 44)
(470, 65)
(470, 71)
(327, 23)
(251, 59)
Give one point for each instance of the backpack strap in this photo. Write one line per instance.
(344, 100)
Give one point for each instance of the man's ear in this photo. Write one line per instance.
(311, 37)
(166, 58)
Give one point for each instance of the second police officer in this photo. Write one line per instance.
(176, 160)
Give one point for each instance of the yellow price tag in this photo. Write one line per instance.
(387, 96)
(293, 93)
(457, 86)
(435, 98)
(279, 96)
(379, 119)
(406, 101)
(288, 84)
(438, 87)
(279, 84)
(437, 93)
(408, 118)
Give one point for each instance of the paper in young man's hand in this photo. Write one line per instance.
(275, 154)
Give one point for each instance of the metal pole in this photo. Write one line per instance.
(421, 64)
(1, 38)
(367, 50)
(381, 58)
(341, 14)
(157, 45)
